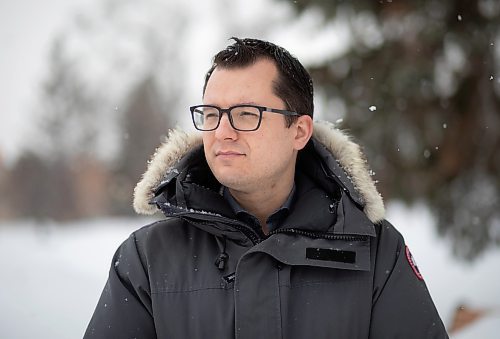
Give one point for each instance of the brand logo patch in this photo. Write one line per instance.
(327, 254)
(413, 264)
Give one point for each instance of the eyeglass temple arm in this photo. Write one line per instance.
(281, 111)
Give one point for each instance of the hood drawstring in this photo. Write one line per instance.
(222, 258)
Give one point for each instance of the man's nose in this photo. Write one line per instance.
(225, 130)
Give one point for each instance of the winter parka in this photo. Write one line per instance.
(333, 269)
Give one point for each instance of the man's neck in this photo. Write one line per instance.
(263, 202)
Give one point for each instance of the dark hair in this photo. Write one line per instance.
(294, 84)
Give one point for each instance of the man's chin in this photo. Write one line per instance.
(232, 180)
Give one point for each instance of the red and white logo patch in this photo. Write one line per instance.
(413, 264)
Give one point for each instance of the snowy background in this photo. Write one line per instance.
(52, 275)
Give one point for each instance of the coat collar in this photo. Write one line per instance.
(343, 157)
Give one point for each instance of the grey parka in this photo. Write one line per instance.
(334, 269)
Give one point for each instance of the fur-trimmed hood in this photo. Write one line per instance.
(349, 167)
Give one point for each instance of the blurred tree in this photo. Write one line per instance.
(42, 182)
(40, 189)
(421, 87)
(68, 125)
(145, 121)
(111, 59)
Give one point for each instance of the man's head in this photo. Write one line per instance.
(293, 84)
(263, 158)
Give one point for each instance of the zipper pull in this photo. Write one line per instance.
(221, 261)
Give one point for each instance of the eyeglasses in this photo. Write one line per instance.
(241, 117)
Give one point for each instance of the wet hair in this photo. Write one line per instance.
(293, 84)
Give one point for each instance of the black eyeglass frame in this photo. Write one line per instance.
(228, 112)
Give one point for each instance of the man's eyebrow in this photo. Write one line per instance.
(250, 103)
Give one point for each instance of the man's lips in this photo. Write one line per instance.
(228, 153)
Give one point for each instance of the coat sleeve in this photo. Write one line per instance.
(402, 306)
(124, 309)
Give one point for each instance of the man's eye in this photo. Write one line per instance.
(211, 115)
(248, 114)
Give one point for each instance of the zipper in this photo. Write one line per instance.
(255, 238)
(184, 214)
(322, 235)
(243, 228)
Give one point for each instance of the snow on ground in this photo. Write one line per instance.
(52, 275)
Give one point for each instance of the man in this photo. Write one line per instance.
(273, 230)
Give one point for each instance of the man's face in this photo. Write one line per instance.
(248, 161)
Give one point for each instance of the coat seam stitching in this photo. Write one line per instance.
(308, 284)
(189, 291)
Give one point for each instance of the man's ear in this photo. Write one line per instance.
(303, 131)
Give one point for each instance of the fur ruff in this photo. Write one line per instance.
(348, 154)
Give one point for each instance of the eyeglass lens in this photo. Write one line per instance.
(242, 117)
